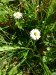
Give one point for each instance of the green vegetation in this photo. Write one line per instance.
(19, 53)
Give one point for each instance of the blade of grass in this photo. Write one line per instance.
(9, 48)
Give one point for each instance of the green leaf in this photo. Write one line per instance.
(6, 1)
(46, 70)
(54, 73)
(51, 8)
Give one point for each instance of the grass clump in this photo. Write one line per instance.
(27, 37)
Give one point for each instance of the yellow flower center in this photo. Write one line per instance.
(17, 15)
(35, 33)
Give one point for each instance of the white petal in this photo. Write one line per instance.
(17, 15)
(33, 36)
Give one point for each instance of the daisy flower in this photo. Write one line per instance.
(35, 34)
(17, 15)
